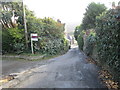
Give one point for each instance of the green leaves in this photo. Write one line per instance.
(93, 10)
(16, 33)
(80, 42)
(53, 47)
(107, 31)
(104, 41)
(10, 11)
(51, 35)
(90, 43)
(12, 39)
(50, 32)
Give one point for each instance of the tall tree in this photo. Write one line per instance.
(92, 11)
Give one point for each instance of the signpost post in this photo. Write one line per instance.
(34, 37)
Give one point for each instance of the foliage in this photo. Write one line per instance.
(50, 32)
(92, 11)
(107, 31)
(78, 34)
(80, 42)
(51, 38)
(105, 40)
(16, 33)
(12, 26)
(7, 42)
(90, 43)
(77, 31)
(53, 47)
(11, 40)
(12, 13)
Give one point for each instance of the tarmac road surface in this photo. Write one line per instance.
(70, 70)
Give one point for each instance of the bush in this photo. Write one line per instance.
(105, 41)
(80, 42)
(51, 37)
(90, 43)
(52, 47)
(107, 31)
(12, 40)
(7, 41)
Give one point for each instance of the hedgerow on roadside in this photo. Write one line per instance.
(90, 43)
(103, 44)
(107, 32)
(51, 38)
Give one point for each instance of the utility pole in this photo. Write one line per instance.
(25, 26)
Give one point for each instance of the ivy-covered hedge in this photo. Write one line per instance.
(108, 31)
(80, 42)
(90, 43)
(52, 47)
(103, 43)
(51, 38)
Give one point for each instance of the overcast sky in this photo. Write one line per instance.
(68, 11)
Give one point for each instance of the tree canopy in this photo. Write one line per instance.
(92, 11)
(50, 32)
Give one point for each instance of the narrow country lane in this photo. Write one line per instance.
(70, 70)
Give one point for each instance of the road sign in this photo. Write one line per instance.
(34, 37)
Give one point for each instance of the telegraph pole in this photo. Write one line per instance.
(25, 26)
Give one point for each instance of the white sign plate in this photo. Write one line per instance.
(34, 37)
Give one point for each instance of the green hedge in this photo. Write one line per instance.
(51, 37)
(90, 43)
(80, 42)
(51, 47)
(108, 31)
(12, 40)
(105, 42)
